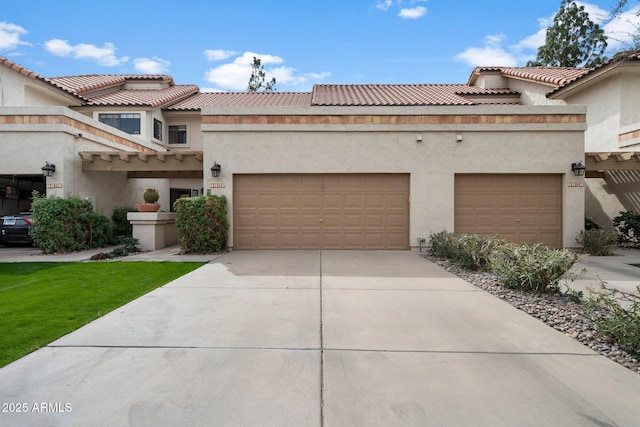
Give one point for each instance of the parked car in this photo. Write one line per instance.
(14, 229)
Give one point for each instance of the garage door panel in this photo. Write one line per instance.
(396, 201)
(246, 239)
(266, 240)
(506, 201)
(310, 220)
(519, 207)
(331, 200)
(375, 182)
(395, 220)
(374, 201)
(330, 220)
(310, 201)
(265, 182)
(353, 201)
(375, 220)
(396, 239)
(267, 201)
(353, 240)
(246, 220)
(550, 220)
(288, 201)
(481, 201)
(321, 211)
(397, 183)
(354, 220)
(267, 220)
(288, 220)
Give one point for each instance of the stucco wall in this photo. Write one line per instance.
(432, 163)
(603, 114)
(194, 136)
(533, 93)
(19, 90)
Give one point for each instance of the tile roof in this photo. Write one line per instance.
(243, 99)
(399, 94)
(345, 95)
(556, 76)
(144, 97)
(90, 82)
(618, 58)
(34, 76)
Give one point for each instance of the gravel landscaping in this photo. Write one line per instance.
(557, 311)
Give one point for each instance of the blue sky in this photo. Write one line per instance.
(301, 43)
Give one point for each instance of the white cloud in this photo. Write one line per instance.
(151, 65)
(487, 56)
(10, 36)
(413, 13)
(102, 55)
(235, 75)
(408, 8)
(596, 14)
(621, 29)
(384, 5)
(491, 53)
(218, 54)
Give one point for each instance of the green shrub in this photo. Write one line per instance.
(121, 225)
(591, 224)
(201, 224)
(65, 225)
(467, 250)
(531, 267)
(628, 226)
(597, 242)
(617, 314)
(474, 252)
(441, 244)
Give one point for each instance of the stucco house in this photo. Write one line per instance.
(611, 93)
(340, 167)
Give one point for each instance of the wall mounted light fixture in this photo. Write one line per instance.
(48, 169)
(578, 168)
(215, 170)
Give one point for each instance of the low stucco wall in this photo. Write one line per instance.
(154, 230)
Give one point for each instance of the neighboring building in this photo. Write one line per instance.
(341, 167)
(611, 93)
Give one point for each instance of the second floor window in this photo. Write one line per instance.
(126, 122)
(157, 129)
(178, 134)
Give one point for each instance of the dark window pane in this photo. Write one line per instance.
(157, 129)
(129, 123)
(178, 134)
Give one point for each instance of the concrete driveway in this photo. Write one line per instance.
(311, 338)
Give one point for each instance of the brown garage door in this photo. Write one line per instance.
(327, 211)
(521, 208)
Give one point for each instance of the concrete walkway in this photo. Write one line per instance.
(312, 338)
(614, 271)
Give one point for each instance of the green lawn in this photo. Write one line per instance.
(42, 301)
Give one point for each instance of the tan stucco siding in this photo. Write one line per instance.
(539, 143)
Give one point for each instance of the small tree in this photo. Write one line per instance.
(573, 40)
(258, 77)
